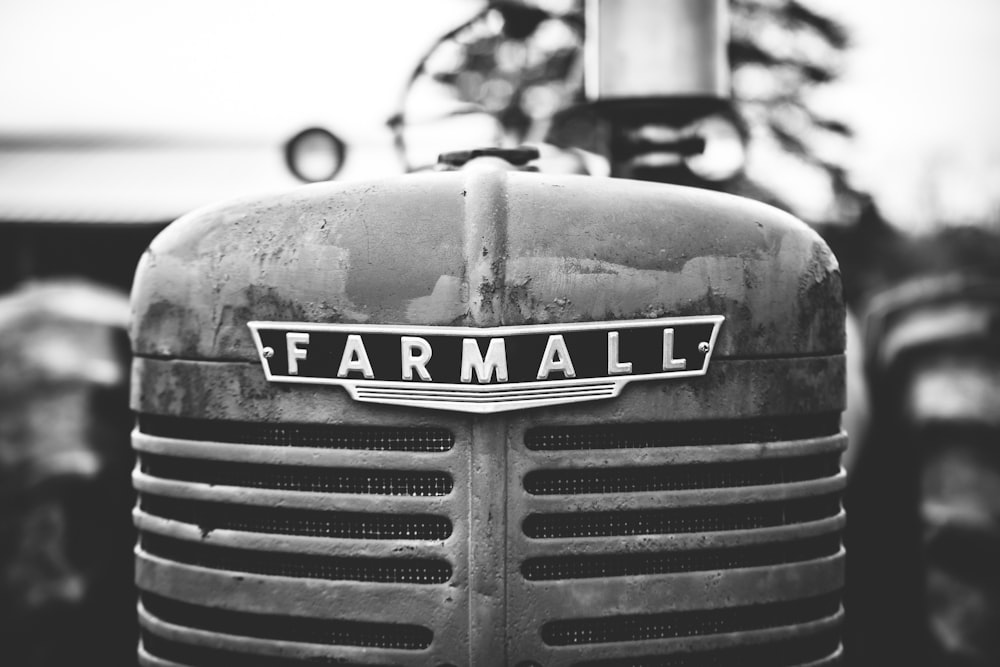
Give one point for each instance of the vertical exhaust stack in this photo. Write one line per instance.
(656, 50)
(657, 72)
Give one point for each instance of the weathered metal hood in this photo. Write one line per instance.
(487, 248)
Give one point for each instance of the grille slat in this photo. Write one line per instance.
(209, 516)
(640, 627)
(678, 434)
(323, 436)
(681, 520)
(785, 653)
(681, 477)
(298, 478)
(308, 566)
(695, 560)
(203, 656)
(288, 628)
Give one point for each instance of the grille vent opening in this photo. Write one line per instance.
(203, 656)
(323, 436)
(307, 566)
(288, 628)
(298, 478)
(669, 562)
(681, 477)
(682, 519)
(211, 516)
(676, 434)
(641, 627)
(786, 653)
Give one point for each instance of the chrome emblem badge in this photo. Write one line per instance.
(486, 370)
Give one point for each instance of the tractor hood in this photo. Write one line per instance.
(485, 248)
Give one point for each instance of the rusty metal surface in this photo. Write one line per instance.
(487, 247)
(487, 613)
(734, 555)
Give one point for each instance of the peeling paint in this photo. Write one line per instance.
(487, 248)
(443, 305)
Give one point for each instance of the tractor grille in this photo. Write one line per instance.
(290, 512)
(282, 545)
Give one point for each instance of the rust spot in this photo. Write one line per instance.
(487, 288)
(591, 268)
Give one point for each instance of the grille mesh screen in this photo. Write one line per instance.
(773, 654)
(211, 516)
(300, 435)
(682, 520)
(288, 628)
(695, 560)
(681, 477)
(299, 478)
(675, 434)
(688, 623)
(309, 566)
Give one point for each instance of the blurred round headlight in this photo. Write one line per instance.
(724, 153)
(314, 155)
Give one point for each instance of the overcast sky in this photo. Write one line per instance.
(920, 87)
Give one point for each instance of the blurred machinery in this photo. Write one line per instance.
(926, 543)
(65, 584)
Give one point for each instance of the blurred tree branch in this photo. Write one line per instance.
(523, 64)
